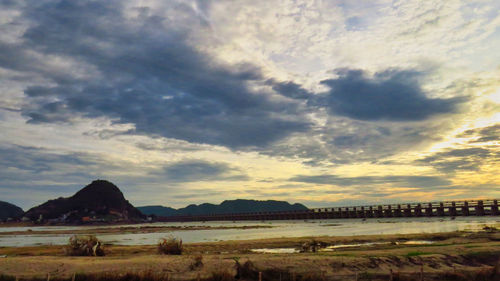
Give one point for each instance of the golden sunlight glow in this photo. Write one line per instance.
(495, 97)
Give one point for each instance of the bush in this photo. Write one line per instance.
(84, 246)
(170, 246)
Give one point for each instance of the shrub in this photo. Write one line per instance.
(84, 246)
(170, 246)
(311, 246)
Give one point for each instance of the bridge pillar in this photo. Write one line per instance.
(480, 208)
(453, 209)
(380, 212)
(328, 213)
(418, 210)
(397, 212)
(407, 211)
(388, 211)
(428, 210)
(465, 209)
(440, 210)
(354, 212)
(494, 208)
(324, 215)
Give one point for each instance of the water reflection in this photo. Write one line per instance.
(333, 227)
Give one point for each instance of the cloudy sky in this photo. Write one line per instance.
(327, 103)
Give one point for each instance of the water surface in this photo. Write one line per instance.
(299, 228)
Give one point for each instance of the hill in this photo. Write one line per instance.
(8, 210)
(158, 211)
(99, 201)
(226, 207)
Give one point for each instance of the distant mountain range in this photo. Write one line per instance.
(100, 201)
(226, 207)
(9, 211)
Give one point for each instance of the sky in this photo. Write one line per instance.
(327, 103)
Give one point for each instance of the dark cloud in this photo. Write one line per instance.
(401, 181)
(343, 141)
(42, 174)
(140, 66)
(289, 89)
(33, 166)
(486, 139)
(485, 134)
(394, 95)
(148, 76)
(462, 159)
(200, 170)
(200, 196)
(36, 160)
(468, 158)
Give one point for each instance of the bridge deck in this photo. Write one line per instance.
(429, 209)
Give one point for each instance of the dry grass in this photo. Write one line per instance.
(225, 274)
(467, 257)
(221, 275)
(196, 263)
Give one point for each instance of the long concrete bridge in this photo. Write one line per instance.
(429, 209)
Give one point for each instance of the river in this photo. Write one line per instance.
(331, 227)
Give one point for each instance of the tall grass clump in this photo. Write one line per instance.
(85, 245)
(170, 246)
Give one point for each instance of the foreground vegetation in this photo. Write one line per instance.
(248, 271)
(170, 246)
(84, 246)
(451, 256)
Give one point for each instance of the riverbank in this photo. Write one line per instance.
(459, 253)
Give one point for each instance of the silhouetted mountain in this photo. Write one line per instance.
(8, 210)
(99, 201)
(226, 207)
(158, 210)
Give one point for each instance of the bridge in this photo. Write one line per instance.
(429, 209)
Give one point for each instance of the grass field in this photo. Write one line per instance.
(447, 256)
